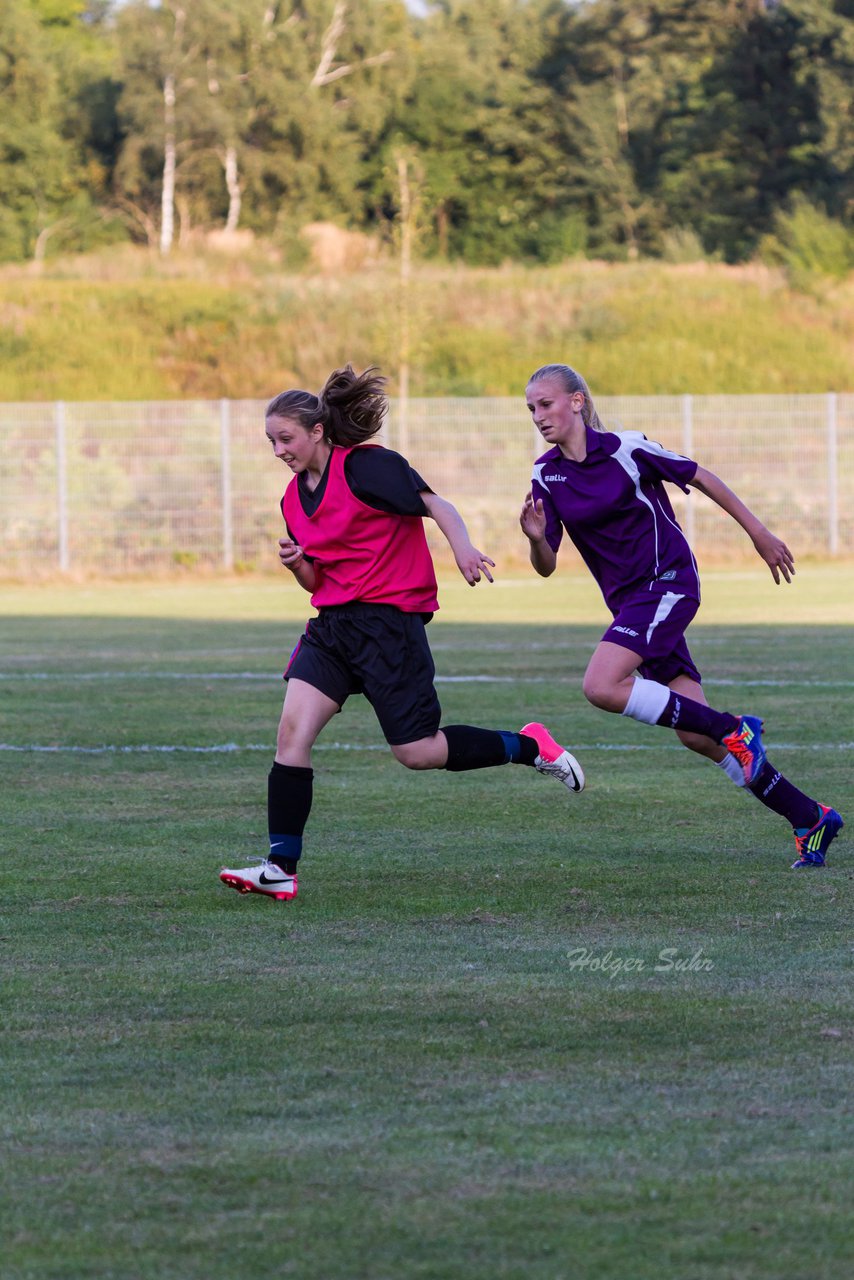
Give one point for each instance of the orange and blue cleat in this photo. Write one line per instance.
(812, 843)
(745, 743)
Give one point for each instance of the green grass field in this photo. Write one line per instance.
(411, 1071)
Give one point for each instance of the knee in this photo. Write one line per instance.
(425, 753)
(288, 735)
(412, 755)
(283, 737)
(600, 693)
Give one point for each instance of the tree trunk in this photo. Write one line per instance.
(621, 109)
(405, 282)
(234, 190)
(182, 207)
(45, 234)
(167, 214)
(442, 224)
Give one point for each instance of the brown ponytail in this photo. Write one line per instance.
(351, 407)
(355, 404)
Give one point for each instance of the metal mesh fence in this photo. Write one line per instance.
(115, 489)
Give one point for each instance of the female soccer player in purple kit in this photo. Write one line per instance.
(354, 514)
(606, 490)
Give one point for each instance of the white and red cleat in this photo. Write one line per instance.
(553, 759)
(264, 878)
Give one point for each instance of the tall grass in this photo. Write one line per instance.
(128, 328)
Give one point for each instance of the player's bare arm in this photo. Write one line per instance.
(772, 549)
(533, 522)
(293, 558)
(470, 562)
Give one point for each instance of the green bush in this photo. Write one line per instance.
(808, 243)
(559, 237)
(682, 244)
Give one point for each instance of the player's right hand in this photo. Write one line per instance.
(533, 518)
(290, 553)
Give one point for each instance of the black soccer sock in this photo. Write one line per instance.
(778, 794)
(473, 748)
(289, 794)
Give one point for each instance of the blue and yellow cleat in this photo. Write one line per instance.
(812, 843)
(745, 743)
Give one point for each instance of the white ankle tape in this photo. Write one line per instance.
(647, 701)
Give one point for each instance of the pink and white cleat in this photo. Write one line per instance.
(264, 878)
(553, 759)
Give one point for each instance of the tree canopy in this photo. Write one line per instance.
(534, 129)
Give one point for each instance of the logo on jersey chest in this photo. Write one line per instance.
(554, 479)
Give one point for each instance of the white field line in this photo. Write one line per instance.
(235, 748)
(70, 676)
(228, 675)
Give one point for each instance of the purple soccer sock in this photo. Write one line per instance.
(693, 717)
(778, 794)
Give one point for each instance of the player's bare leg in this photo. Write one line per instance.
(609, 678)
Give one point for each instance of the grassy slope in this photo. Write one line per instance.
(127, 327)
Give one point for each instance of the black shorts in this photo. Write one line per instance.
(377, 650)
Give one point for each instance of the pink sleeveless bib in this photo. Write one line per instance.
(360, 553)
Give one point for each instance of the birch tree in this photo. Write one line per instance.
(158, 103)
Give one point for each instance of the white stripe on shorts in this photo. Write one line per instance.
(667, 603)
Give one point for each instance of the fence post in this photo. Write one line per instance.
(225, 483)
(688, 450)
(832, 473)
(61, 485)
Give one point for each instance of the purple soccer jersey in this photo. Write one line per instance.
(615, 509)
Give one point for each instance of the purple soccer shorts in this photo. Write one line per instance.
(653, 625)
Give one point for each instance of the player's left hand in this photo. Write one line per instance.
(472, 563)
(776, 555)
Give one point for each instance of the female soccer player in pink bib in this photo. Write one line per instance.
(355, 514)
(606, 490)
